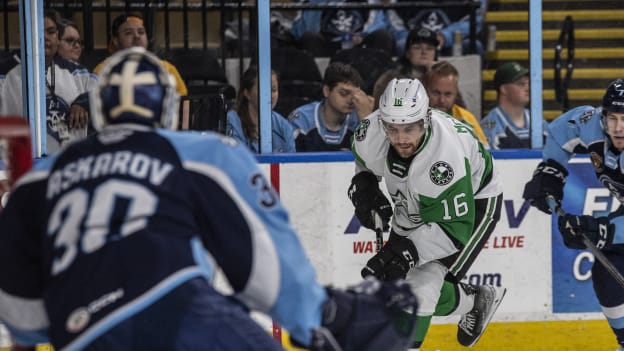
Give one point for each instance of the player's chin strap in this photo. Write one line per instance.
(555, 208)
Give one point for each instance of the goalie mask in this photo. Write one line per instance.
(404, 101)
(134, 87)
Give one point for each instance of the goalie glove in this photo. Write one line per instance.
(365, 318)
(393, 261)
(548, 180)
(598, 230)
(366, 196)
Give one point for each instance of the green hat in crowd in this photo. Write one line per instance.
(509, 72)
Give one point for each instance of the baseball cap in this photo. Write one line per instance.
(421, 34)
(509, 72)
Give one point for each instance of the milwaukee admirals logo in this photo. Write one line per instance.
(441, 173)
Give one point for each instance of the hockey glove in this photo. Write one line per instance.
(597, 230)
(366, 196)
(364, 318)
(393, 261)
(548, 180)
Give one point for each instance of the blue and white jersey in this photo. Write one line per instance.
(67, 83)
(283, 139)
(502, 133)
(580, 131)
(311, 134)
(96, 234)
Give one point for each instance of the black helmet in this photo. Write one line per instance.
(613, 100)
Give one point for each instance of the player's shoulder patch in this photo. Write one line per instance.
(441, 173)
(294, 115)
(362, 128)
(586, 116)
(488, 124)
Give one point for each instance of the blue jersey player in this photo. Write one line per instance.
(112, 244)
(598, 132)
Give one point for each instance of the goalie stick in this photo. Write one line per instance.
(555, 208)
(15, 151)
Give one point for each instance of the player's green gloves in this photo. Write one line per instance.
(366, 196)
(597, 229)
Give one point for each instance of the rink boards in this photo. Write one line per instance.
(550, 303)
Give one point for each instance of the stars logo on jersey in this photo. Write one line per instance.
(360, 131)
(441, 173)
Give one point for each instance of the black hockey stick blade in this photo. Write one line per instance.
(554, 207)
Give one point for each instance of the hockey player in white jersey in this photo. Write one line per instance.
(112, 244)
(447, 198)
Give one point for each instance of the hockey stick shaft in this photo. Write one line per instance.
(555, 208)
(378, 230)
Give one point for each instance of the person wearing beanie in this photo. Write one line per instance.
(421, 51)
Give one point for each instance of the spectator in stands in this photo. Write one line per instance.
(388, 20)
(128, 30)
(421, 51)
(322, 33)
(327, 125)
(442, 84)
(70, 45)
(243, 122)
(445, 21)
(67, 87)
(508, 124)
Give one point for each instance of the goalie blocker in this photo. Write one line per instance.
(15, 152)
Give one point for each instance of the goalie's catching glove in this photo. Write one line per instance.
(366, 196)
(365, 318)
(393, 261)
(548, 180)
(598, 231)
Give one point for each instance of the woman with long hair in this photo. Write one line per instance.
(243, 121)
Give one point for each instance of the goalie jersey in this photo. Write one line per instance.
(168, 207)
(434, 191)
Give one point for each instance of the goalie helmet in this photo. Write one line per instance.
(613, 100)
(134, 87)
(404, 101)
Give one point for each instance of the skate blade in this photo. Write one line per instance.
(498, 298)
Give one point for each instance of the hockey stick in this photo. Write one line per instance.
(555, 208)
(378, 230)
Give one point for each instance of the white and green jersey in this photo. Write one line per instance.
(434, 190)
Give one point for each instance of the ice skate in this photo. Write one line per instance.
(473, 324)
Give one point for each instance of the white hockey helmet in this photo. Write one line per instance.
(404, 101)
(134, 87)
